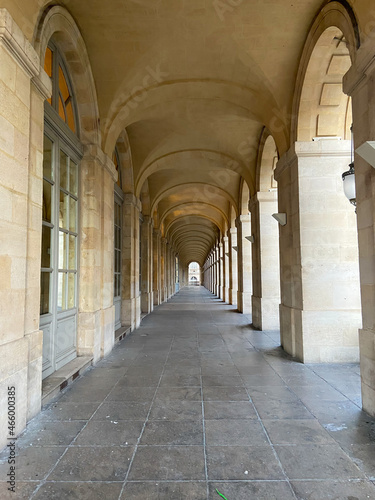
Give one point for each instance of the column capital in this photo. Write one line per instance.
(233, 230)
(130, 199)
(156, 232)
(241, 219)
(94, 152)
(262, 197)
(225, 239)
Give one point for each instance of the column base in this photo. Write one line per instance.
(367, 350)
(320, 336)
(244, 302)
(265, 313)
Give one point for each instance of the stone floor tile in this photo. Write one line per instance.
(182, 432)
(23, 490)
(78, 491)
(110, 432)
(225, 394)
(122, 410)
(173, 380)
(274, 490)
(332, 490)
(164, 394)
(32, 463)
(242, 463)
(165, 491)
(229, 409)
(294, 431)
(108, 463)
(317, 462)
(229, 432)
(259, 380)
(137, 394)
(171, 463)
(364, 457)
(221, 381)
(42, 433)
(68, 411)
(139, 381)
(273, 409)
(176, 410)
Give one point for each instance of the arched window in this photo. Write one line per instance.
(59, 267)
(62, 100)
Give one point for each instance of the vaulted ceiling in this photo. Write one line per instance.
(193, 83)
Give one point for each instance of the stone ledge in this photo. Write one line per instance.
(55, 383)
(122, 332)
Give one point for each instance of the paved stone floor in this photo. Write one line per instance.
(196, 400)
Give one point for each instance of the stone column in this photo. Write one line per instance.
(320, 302)
(243, 225)
(265, 261)
(130, 310)
(156, 266)
(109, 177)
(163, 274)
(359, 84)
(146, 269)
(233, 258)
(217, 270)
(221, 271)
(226, 269)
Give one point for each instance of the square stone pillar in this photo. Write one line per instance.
(130, 310)
(226, 269)
(96, 317)
(320, 301)
(359, 84)
(217, 270)
(156, 267)
(221, 271)
(146, 268)
(265, 261)
(233, 272)
(243, 225)
(23, 88)
(163, 268)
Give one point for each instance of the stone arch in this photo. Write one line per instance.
(56, 22)
(266, 162)
(244, 198)
(328, 52)
(124, 151)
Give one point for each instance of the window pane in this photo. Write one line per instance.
(64, 168)
(71, 290)
(63, 86)
(72, 252)
(47, 158)
(61, 292)
(61, 110)
(46, 246)
(48, 62)
(73, 187)
(114, 285)
(70, 116)
(62, 250)
(72, 214)
(63, 213)
(47, 196)
(44, 292)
